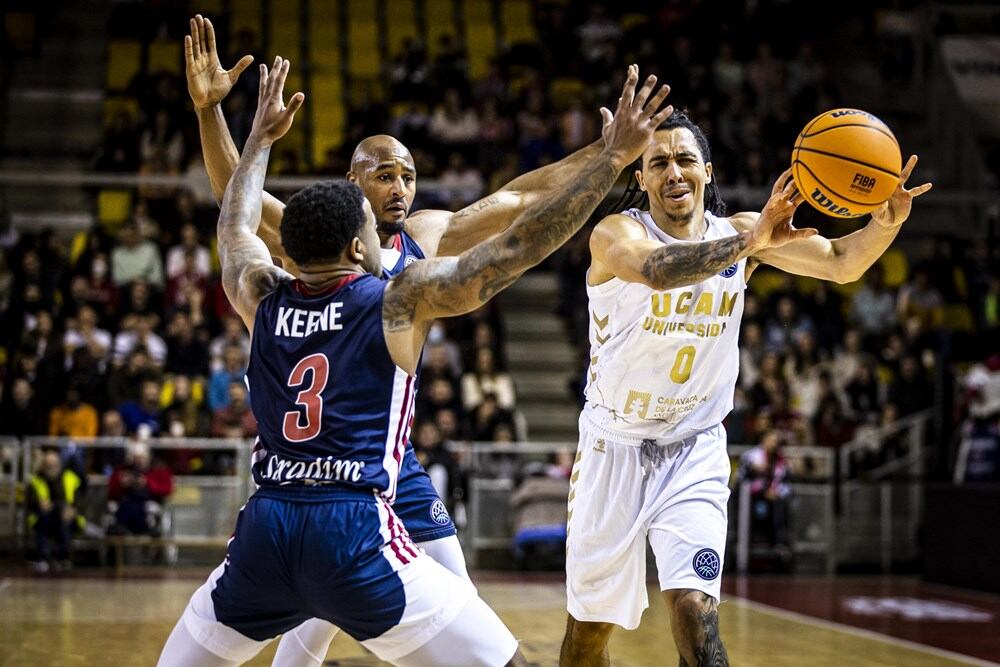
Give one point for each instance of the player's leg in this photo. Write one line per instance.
(585, 644)
(183, 649)
(426, 520)
(605, 546)
(694, 623)
(688, 539)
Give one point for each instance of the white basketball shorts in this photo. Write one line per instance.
(625, 490)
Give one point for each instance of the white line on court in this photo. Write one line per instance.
(858, 632)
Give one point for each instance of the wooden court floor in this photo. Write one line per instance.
(105, 621)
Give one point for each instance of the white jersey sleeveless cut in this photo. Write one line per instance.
(663, 363)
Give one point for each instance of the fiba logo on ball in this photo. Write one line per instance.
(730, 272)
(706, 564)
(439, 513)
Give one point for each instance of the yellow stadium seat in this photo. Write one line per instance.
(401, 24)
(285, 32)
(518, 21)
(482, 47)
(564, 90)
(477, 11)
(764, 281)
(324, 36)
(246, 15)
(439, 17)
(363, 52)
(895, 268)
(124, 62)
(633, 20)
(113, 207)
(164, 56)
(361, 11)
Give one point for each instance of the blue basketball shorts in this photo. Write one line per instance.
(333, 553)
(417, 503)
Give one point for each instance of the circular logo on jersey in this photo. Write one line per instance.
(439, 513)
(706, 564)
(410, 259)
(731, 271)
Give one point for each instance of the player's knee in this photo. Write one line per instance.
(584, 634)
(695, 610)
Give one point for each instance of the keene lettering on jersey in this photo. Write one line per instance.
(299, 323)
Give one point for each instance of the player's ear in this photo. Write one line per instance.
(356, 250)
(638, 178)
(708, 172)
(352, 177)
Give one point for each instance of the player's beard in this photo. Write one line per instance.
(391, 227)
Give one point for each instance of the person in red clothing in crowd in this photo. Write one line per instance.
(136, 493)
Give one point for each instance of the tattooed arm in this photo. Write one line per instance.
(454, 285)
(444, 234)
(620, 248)
(247, 272)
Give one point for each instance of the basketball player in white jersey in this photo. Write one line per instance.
(666, 295)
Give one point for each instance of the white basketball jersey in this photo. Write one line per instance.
(663, 363)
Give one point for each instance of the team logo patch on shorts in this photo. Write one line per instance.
(439, 513)
(731, 271)
(706, 564)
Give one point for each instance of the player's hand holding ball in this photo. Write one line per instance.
(774, 227)
(628, 132)
(273, 119)
(896, 209)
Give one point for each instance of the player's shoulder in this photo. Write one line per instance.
(619, 225)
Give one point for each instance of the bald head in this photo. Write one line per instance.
(384, 169)
(376, 150)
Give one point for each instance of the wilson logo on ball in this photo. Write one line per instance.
(828, 206)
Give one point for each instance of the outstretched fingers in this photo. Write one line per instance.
(628, 90)
(908, 168)
(782, 182)
(194, 39)
(640, 98)
(656, 100)
(209, 36)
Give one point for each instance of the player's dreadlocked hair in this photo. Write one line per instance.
(320, 220)
(633, 197)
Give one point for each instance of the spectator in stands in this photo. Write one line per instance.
(140, 335)
(576, 126)
(463, 182)
(233, 334)
(911, 390)
(848, 358)
(73, 418)
(495, 134)
(144, 418)
(136, 493)
(162, 141)
(440, 394)
(124, 379)
(112, 425)
(727, 71)
(487, 380)
(453, 124)
(235, 420)
(83, 331)
(787, 325)
(766, 469)
(187, 348)
(120, 148)
(234, 368)
(921, 299)
(140, 301)
(440, 464)
(19, 412)
(177, 256)
(186, 415)
(488, 417)
(751, 353)
(441, 360)
(447, 421)
(863, 394)
(598, 36)
(873, 308)
(134, 258)
(51, 498)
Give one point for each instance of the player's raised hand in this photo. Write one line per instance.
(774, 227)
(208, 82)
(896, 209)
(629, 130)
(273, 118)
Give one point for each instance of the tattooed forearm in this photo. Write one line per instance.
(455, 285)
(680, 264)
(477, 207)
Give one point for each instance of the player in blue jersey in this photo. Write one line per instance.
(385, 171)
(332, 371)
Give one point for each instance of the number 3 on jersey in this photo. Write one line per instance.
(682, 364)
(309, 398)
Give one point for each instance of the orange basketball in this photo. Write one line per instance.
(846, 162)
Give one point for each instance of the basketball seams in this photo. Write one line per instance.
(848, 159)
(868, 205)
(837, 127)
